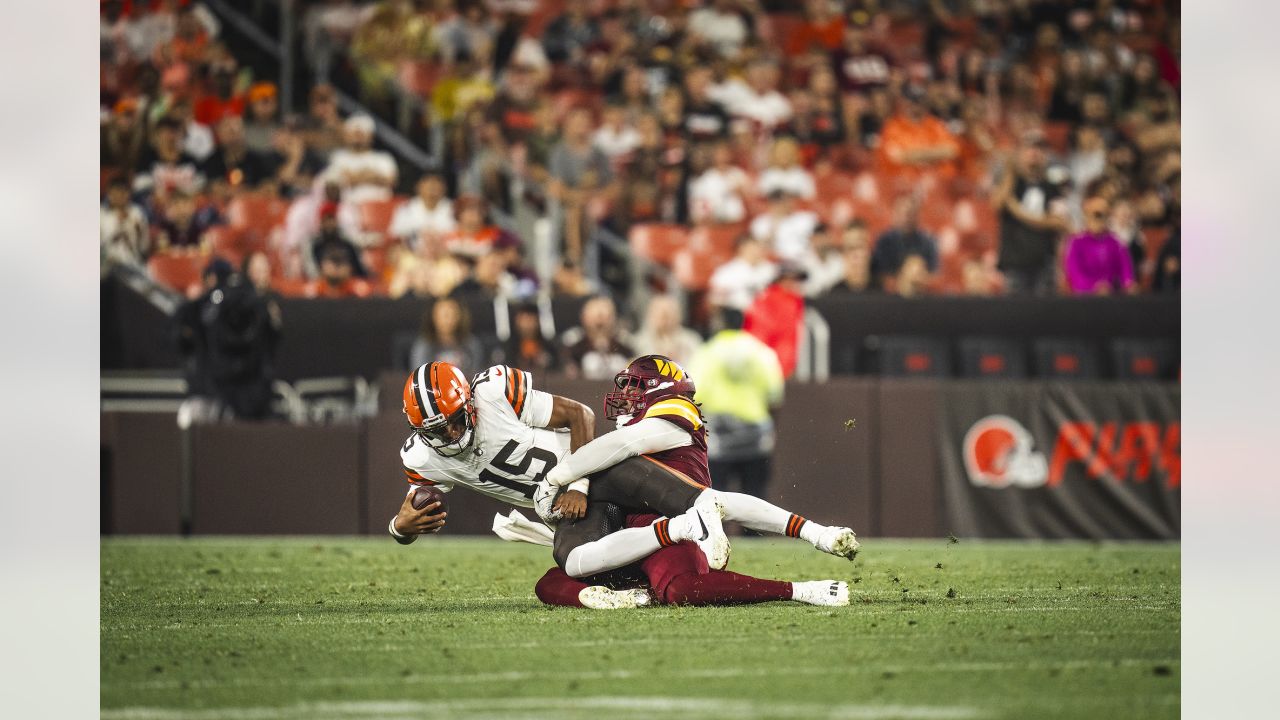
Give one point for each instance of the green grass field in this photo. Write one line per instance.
(449, 628)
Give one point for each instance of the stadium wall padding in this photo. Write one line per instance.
(881, 455)
(356, 336)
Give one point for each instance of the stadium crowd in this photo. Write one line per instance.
(752, 151)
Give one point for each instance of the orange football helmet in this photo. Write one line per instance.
(439, 407)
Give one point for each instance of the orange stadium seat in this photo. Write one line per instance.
(716, 240)
(259, 214)
(419, 78)
(693, 269)
(176, 270)
(658, 242)
(375, 215)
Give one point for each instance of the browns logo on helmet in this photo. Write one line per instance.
(439, 408)
(645, 381)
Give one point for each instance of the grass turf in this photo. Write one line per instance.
(449, 627)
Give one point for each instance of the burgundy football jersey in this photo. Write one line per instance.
(690, 460)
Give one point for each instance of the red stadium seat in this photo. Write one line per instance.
(375, 215)
(177, 270)
(259, 214)
(716, 240)
(658, 242)
(419, 78)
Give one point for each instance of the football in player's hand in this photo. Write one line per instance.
(424, 496)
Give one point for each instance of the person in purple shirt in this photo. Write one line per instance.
(1096, 262)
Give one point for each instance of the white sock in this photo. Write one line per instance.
(625, 546)
(764, 516)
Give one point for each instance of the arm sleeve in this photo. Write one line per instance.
(650, 435)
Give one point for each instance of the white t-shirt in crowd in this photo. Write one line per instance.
(414, 217)
(794, 180)
(716, 195)
(727, 31)
(736, 283)
(615, 143)
(344, 161)
(770, 108)
(788, 236)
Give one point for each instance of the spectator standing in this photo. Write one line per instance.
(736, 283)
(235, 163)
(567, 38)
(429, 212)
(616, 138)
(662, 334)
(322, 127)
(1033, 215)
(121, 138)
(596, 349)
(331, 240)
(904, 239)
(705, 119)
(579, 172)
(776, 316)
(123, 226)
(472, 237)
(740, 388)
(262, 119)
(445, 336)
(1096, 262)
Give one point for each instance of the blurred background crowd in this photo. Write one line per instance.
(685, 163)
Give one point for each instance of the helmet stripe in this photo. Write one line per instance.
(417, 393)
(431, 396)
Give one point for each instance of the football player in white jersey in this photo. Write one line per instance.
(499, 437)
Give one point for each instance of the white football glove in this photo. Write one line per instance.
(544, 496)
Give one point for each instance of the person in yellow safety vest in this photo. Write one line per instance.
(740, 388)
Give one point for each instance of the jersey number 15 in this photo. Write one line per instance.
(501, 461)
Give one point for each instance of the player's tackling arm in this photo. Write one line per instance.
(649, 435)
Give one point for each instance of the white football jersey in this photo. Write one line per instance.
(512, 450)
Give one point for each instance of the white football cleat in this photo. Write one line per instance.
(707, 516)
(833, 593)
(839, 541)
(599, 597)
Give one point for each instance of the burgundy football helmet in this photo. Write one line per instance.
(644, 382)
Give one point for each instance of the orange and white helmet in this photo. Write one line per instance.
(438, 405)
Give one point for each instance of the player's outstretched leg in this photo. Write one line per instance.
(678, 576)
(630, 545)
(764, 516)
(557, 588)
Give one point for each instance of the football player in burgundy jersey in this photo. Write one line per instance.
(660, 424)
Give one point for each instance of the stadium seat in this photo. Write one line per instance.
(1142, 359)
(177, 271)
(1058, 135)
(914, 356)
(233, 244)
(375, 215)
(992, 357)
(1065, 359)
(658, 242)
(718, 241)
(693, 269)
(256, 213)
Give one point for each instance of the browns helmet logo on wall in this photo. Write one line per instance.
(999, 452)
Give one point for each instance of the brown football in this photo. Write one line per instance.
(424, 496)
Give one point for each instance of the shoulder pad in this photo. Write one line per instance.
(501, 383)
(676, 408)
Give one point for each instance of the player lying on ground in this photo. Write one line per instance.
(456, 432)
(656, 461)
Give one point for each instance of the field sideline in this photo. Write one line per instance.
(449, 627)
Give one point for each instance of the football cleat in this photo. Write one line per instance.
(838, 541)
(707, 516)
(599, 597)
(833, 593)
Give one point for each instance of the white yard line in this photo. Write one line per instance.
(707, 673)
(542, 708)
